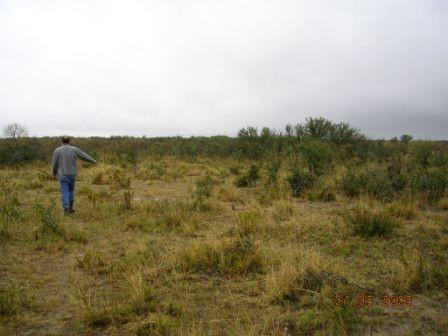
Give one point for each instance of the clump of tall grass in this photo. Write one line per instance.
(402, 208)
(14, 299)
(141, 294)
(323, 194)
(248, 223)
(171, 214)
(228, 193)
(443, 203)
(98, 178)
(237, 257)
(93, 262)
(282, 210)
(121, 179)
(95, 197)
(99, 313)
(203, 190)
(43, 175)
(126, 200)
(369, 221)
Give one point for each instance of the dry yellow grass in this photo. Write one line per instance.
(148, 252)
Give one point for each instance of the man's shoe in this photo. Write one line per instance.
(67, 212)
(71, 210)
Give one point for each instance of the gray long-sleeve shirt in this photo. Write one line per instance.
(64, 160)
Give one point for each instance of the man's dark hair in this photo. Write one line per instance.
(65, 139)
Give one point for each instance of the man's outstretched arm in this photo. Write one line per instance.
(54, 163)
(84, 156)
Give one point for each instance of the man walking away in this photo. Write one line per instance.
(64, 165)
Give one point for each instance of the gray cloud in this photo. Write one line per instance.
(211, 67)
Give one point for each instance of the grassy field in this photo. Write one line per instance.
(198, 247)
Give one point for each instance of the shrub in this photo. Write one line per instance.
(367, 222)
(373, 181)
(300, 180)
(273, 167)
(317, 155)
(234, 170)
(250, 178)
(432, 183)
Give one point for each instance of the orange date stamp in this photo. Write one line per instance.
(367, 300)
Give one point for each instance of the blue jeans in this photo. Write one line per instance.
(68, 190)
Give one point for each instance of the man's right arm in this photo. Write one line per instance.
(84, 156)
(54, 163)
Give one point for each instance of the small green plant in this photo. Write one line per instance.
(9, 203)
(204, 188)
(48, 219)
(273, 168)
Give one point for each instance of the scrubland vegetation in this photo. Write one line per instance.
(311, 231)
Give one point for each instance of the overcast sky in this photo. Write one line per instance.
(176, 67)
